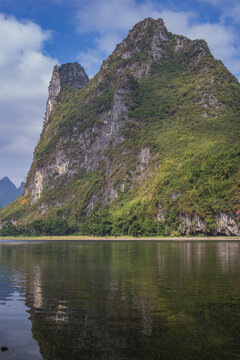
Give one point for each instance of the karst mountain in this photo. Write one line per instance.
(149, 146)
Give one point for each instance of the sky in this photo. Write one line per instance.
(34, 36)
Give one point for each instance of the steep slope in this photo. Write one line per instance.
(149, 146)
(9, 192)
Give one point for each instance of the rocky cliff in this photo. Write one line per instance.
(71, 74)
(149, 146)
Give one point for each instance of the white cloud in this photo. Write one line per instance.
(110, 21)
(107, 42)
(25, 74)
(110, 15)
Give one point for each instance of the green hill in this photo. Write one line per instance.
(149, 146)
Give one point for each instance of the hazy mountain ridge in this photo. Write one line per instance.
(149, 146)
(9, 192)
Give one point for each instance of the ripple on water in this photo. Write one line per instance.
(106, 300)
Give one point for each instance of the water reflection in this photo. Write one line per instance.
(37, 288)
(124, 300)
(228, 254)
(15, 327)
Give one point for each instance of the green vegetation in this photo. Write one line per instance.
(9, 229)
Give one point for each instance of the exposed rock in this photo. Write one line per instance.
(175, 196)
(160, 214)
(209, 99)
(122, 187)
(93, 201)
(144, 155)
(105, 196)
(43, 208)
(108, 195)
(71, 74)
(159, 36)
(38, 186)
(181, 43)
(191, 224)
(88, 153)
(62, 164)
(112, 195)
(53, 91)
(227, 225)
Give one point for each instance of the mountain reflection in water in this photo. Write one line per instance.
(113, 300)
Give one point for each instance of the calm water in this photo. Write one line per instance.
(113, 300)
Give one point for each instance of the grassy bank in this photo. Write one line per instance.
(121, 238)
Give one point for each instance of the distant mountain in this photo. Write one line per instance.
(9, 192)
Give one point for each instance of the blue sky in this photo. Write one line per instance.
(36, 35)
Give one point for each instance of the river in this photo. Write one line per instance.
(120, 300)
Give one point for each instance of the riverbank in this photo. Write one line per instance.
(120, 238)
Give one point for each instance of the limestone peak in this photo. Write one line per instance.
(71, 74)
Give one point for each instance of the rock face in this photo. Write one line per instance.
(227, 224)
(71, 74)
(74, 76)
(9, 192)
(191, 225)
(148, 146)
(53, 91)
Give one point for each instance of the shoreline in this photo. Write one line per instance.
(118, 238)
